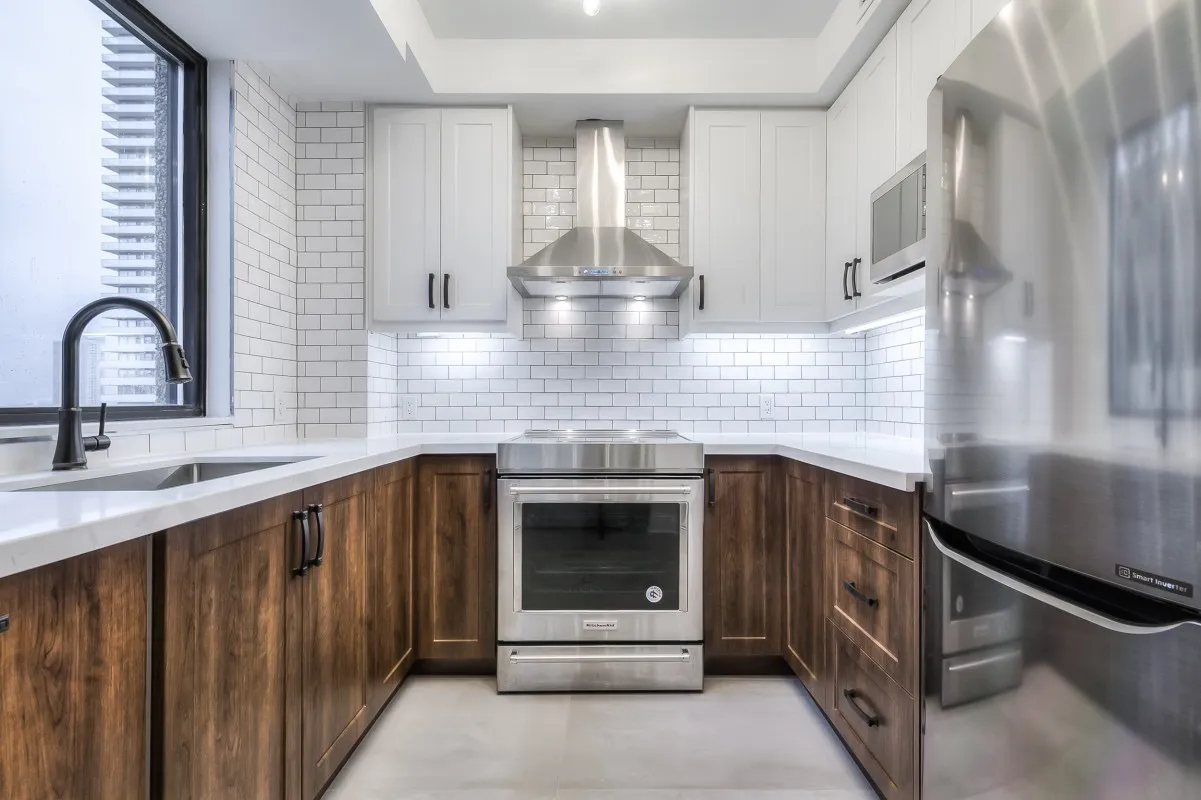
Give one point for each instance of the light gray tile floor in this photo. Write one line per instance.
(446, 738)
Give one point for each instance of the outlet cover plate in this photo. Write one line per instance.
(408, 407)
(767, 406)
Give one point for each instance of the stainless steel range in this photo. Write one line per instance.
(600, 561)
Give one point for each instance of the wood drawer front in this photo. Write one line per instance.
(873, 714)
(870, 598)
(887, 516)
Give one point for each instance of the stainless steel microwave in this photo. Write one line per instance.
(899, 224)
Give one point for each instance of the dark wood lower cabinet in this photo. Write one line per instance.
(332, 645)
(227, 610)
(804, 574)
(742, 558)
(874, 715)
(73, 679)
(267, 676)
(456, 556)
(391, 635)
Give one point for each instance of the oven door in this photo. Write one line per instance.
(600, 559)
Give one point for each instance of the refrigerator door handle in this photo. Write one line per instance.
(1045, 597)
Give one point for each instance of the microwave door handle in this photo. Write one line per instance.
(1045, 597)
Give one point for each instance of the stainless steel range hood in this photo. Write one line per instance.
(600, 257)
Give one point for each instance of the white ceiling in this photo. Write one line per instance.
(628, 19)
(385, 51)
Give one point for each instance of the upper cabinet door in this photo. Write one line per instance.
(983, 12)
(930, 35)
(876, 124)
(406, 201)
(793, 216)
(473, 286)
(726, 192)
(841, 205)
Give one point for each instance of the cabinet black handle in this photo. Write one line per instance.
(860, 507)
(431, 290)
(855, 277)
(446, 290)
(488, 490)
(871, 602)
(702, 279)
(846, 268)
(852, 696)
(301, 518)
(712, 494)
(318, 510)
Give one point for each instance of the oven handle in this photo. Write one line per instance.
(515, 657)
(612, 489)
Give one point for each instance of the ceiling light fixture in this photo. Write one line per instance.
(592, 7)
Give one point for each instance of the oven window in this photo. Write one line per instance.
(600, 556)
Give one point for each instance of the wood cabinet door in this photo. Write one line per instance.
(741, 559)
(876, 124)
(804, 571)
(793, 216)
(725, 224)
(332, 616)
(391, 646)
(456, 556)
(870, 598)
(73, 693)
(473, 286)
(228, 718)
(930, 34)
(406, 239)
(841, 207)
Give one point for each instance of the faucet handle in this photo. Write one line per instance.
(98, 442)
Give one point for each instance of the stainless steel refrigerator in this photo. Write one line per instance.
(1062, 542)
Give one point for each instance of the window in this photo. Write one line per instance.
(106, 109)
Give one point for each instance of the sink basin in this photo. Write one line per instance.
(158, 478)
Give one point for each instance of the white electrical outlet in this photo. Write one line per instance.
(767, 406)
(408, 406)
(281, 408)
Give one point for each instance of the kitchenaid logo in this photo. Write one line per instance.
(600, 624)
(1153, 581)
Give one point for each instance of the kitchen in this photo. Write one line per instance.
(781, 409)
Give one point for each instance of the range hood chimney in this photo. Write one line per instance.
(600, 257)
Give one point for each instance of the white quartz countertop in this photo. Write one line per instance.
(38, 528)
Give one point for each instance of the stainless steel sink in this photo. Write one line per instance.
(159, 478)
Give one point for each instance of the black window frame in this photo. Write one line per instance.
(189, 280)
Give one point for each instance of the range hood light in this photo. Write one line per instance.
(640, 297)
(561, 297)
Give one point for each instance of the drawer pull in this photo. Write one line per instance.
(860, 507)
(871, 602)
(852, 696)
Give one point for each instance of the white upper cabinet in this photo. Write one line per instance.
(841, 202)
(475, 214)
(983, 12)
(792, 216)
(442, 205)
(755, 220)
(930, 35)
(876, 125)
(725, 216)
(406, 213)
